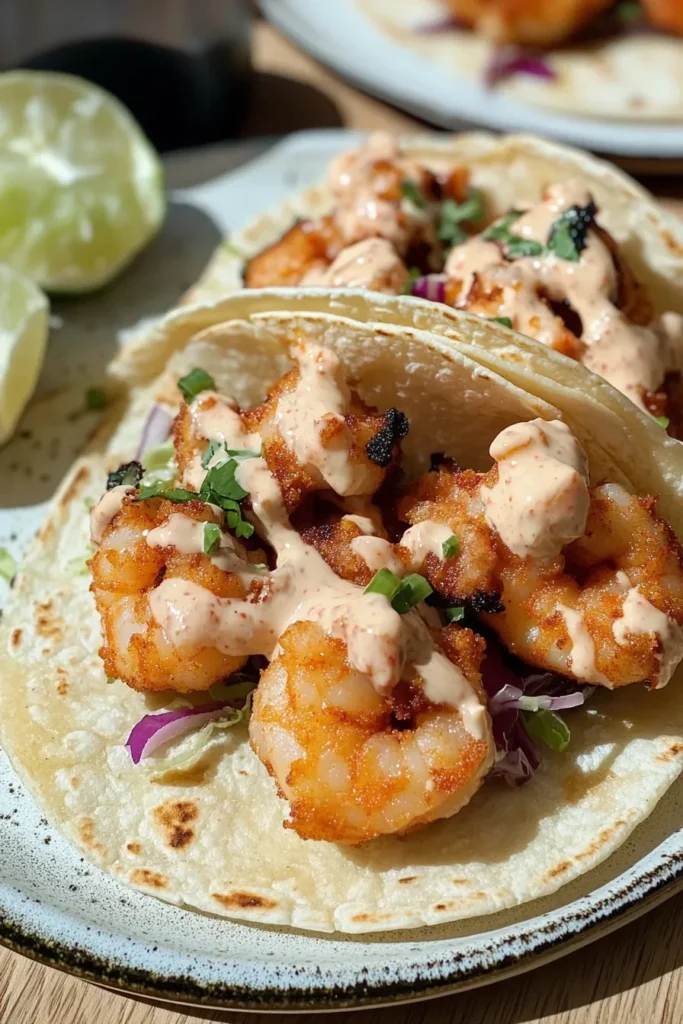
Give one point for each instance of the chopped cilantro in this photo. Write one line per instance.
(413, 274)
(517, 247)
(505, 321)
(220, 484)
(212, 537)
(95, 399)
(567, 236)
(411, 191)
(160, 489)
(214, 447)
(663, 421)
(454, 214)
(500, 231)
(547, 727)
(450, 547)
(8, 566)
(193, 383)
(454, 614)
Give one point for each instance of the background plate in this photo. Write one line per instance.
(336, 33)
(61, 910)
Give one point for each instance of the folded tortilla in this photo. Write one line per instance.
(633, 76)
(211, 837)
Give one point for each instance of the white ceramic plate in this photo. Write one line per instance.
(59, 909)
(336, 33)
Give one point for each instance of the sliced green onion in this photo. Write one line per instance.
(212, 537)
(95, 399)
(384, 582)
(505, 321)
(193, 383)
(663, 421)
(413, 589)
(8, 565)
(450, 547)
(454, 614)
(547, 727)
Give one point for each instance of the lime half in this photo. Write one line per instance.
(23, 336)
(81, 188)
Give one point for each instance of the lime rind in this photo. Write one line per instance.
(24, 320)
(81, 187)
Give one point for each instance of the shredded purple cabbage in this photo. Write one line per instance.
(508, 694)
(156, 429)
(507, 61)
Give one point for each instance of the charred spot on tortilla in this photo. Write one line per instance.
(151, 879)
(486, 603)
(395, 427)
(128, 473)
(244, 901)
(175, 819)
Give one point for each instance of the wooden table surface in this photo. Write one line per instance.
(632, 976)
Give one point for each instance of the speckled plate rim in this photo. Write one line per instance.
(140, 969)
(544, 938)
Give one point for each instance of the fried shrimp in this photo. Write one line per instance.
(147, 542)
(354, 546)
(317, 434)
(608, 609)
(352, 764)
(310, 245)
(532, 22)
(665, 14)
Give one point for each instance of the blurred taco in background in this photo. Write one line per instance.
(356, 596)
(548, 240)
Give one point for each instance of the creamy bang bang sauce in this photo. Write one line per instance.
(383, 645)
(583, 274)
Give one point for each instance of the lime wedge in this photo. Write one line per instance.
(23, 337)
(81, 188)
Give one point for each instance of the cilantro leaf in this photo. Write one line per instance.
(549, 728)
(212, 537)
(194, 382)
(213, 447)
(95, 399)
(454, 614)
(413, 274)
(504, 320)
(220, 484)
(471, 210)
(567, 237)
(160, 489)
(500, 231)
(517, 247)
(411, 191)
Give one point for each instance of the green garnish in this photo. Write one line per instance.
(8, 565)
(160, 489)
(454, 214)
(213, 447)
(193, 383)
(95, 399)
(411, 191)
(500, 231)
(128, 475)
(79, 566)
(111, 679)
(450, 547)
(517, 247)
(384, 582)
(413, 274)
(663, 421)
(547, 727)
(212, 537)
(220, 484)
(568, 234)
(454, 614)
(629, 11)
(414, 588)
(404, 593)
(505, 321)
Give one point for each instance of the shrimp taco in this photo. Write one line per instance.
(547, 240)
(338, 626)
(575, 56)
